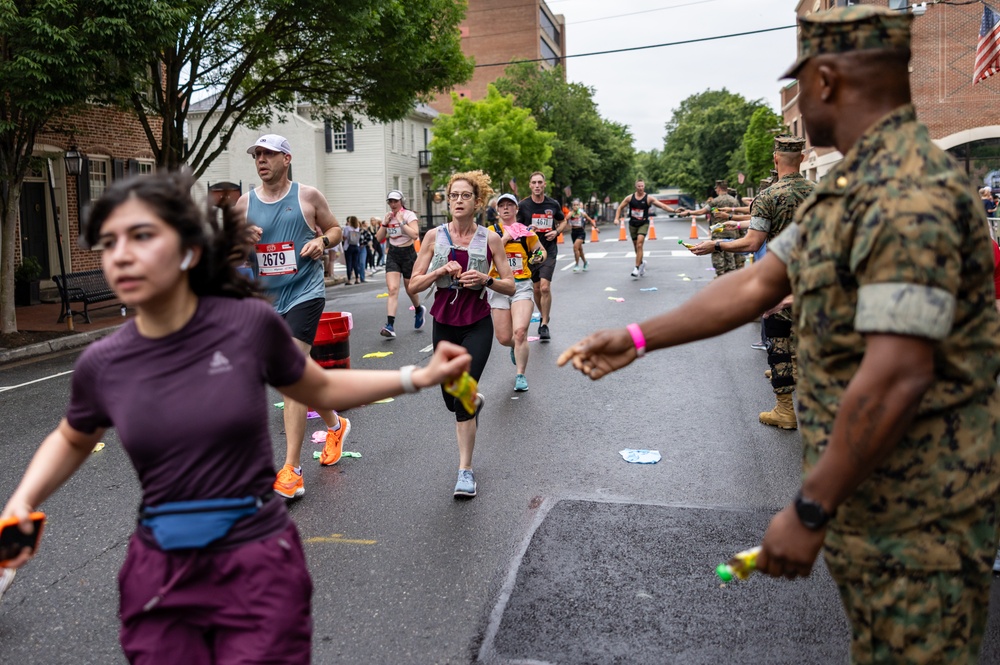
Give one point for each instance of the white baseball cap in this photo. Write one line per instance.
(394, 194)
(507, 197)
(271, 142)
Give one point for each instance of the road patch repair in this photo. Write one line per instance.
(603, 582)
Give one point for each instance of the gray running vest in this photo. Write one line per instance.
(443, 249)
(283, 222)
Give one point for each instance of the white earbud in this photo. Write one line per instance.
(186, 263)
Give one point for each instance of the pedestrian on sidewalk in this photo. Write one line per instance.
(457, 257)
(890, 265)
(215, 571)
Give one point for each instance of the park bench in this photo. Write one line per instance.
(87, 286)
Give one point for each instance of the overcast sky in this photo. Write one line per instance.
(641, 88)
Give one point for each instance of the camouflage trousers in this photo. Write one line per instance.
(908, 613)
(724, 262)
(781, 351)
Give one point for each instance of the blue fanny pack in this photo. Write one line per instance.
(181, 525)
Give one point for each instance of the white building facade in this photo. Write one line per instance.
(354, 165)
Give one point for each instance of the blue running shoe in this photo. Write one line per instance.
(520, 383)
(466, 485)
(388, 331)
(418, 317)
(512, 358)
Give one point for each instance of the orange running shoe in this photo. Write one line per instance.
(335, 443)
(289, 484)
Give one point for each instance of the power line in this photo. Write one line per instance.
(644, 11)
(642, 48)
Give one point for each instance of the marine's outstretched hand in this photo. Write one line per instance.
(601, 353)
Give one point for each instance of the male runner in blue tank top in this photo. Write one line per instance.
(292, 225)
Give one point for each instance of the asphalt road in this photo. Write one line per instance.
(403, 573)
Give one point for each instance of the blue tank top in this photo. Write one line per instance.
(288, 278)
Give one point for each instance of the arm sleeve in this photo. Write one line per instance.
(783, 246)
(86, 412)
(908, 264)
(761, 213)
(283, 361)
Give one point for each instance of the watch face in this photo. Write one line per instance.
(810, 513)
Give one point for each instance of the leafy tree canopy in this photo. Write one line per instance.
(492, 135)
(257, 60)
(591, 155)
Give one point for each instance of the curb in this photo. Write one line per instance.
(8, 356)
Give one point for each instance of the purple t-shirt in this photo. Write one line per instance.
(191, 408)
(468, 306)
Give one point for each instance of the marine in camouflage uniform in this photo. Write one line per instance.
(722, 263)
(895, 243)
(771, 213)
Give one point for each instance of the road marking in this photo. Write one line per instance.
(427, 349)
(339, 538)
(596, 255)
(567, 266)
(45, 378)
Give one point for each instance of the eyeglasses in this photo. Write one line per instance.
(465, 196)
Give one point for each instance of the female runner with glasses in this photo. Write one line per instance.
(457, 257)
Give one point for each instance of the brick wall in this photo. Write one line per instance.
(94, 130)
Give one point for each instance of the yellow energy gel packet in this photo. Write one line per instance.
(464, 390)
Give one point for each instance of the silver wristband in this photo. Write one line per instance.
(406, 378)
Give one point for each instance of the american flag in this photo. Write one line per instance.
(513, 185)
(988, 50)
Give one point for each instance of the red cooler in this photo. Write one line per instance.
(332, 346)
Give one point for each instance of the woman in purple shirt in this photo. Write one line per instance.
(457, 257)
(215, 570)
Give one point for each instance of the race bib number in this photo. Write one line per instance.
(516, 262)
(576, 222)
(638, 214)
(542, 221)
(395, 230)
(276, 258)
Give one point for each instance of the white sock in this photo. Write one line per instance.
(336, 427)
(297, 470)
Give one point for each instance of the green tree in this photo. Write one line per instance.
(55, 56)
(258, 60)
(758, 144)
(591, 154)
(492, 135)
(702, 135)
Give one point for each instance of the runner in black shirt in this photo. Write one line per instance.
(545, 217)
(638, 205)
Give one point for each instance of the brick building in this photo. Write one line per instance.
(114, 146)
(961, 117)
(499, 31)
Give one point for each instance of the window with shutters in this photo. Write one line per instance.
(145, 167)
(340, 140)
(100, 172)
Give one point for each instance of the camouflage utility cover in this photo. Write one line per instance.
(895, 241)
(846, 29)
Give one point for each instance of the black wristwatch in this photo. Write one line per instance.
(489, 282)
(812, 515)
(326, 240)
(718, 246)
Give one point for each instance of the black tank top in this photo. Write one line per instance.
(638, 211)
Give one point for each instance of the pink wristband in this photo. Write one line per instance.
(637, 338)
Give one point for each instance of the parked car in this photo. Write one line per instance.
(674, 198)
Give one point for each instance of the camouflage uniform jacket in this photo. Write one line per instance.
(774, 208)
(724, 201)
(893, 241)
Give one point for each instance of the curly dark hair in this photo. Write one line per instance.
(222, 236)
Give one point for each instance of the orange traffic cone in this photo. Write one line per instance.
(559, 240)
(593, 234)
(621, 231)
(694, 229)
(652, 231)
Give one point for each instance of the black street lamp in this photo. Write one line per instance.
(74, 166)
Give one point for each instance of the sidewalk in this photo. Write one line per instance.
(43, 319)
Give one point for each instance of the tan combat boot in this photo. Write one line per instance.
(767, 374)
(782, 415)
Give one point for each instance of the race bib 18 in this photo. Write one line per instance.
(276, 258)
(516, 262)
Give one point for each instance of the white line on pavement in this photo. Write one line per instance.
(427, 349)
(44, 378)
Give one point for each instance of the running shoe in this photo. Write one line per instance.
(7, 578)
(289, 484)
(335, 443)
(520, 383)
(576, 268)
(642, 268)
(586, 266)
(543, 333)
(760, 346)
(418, 317)
(387, 331)
(466, 485)
(536, 317)
(480, 403)
(635, 272)
(513, 359)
